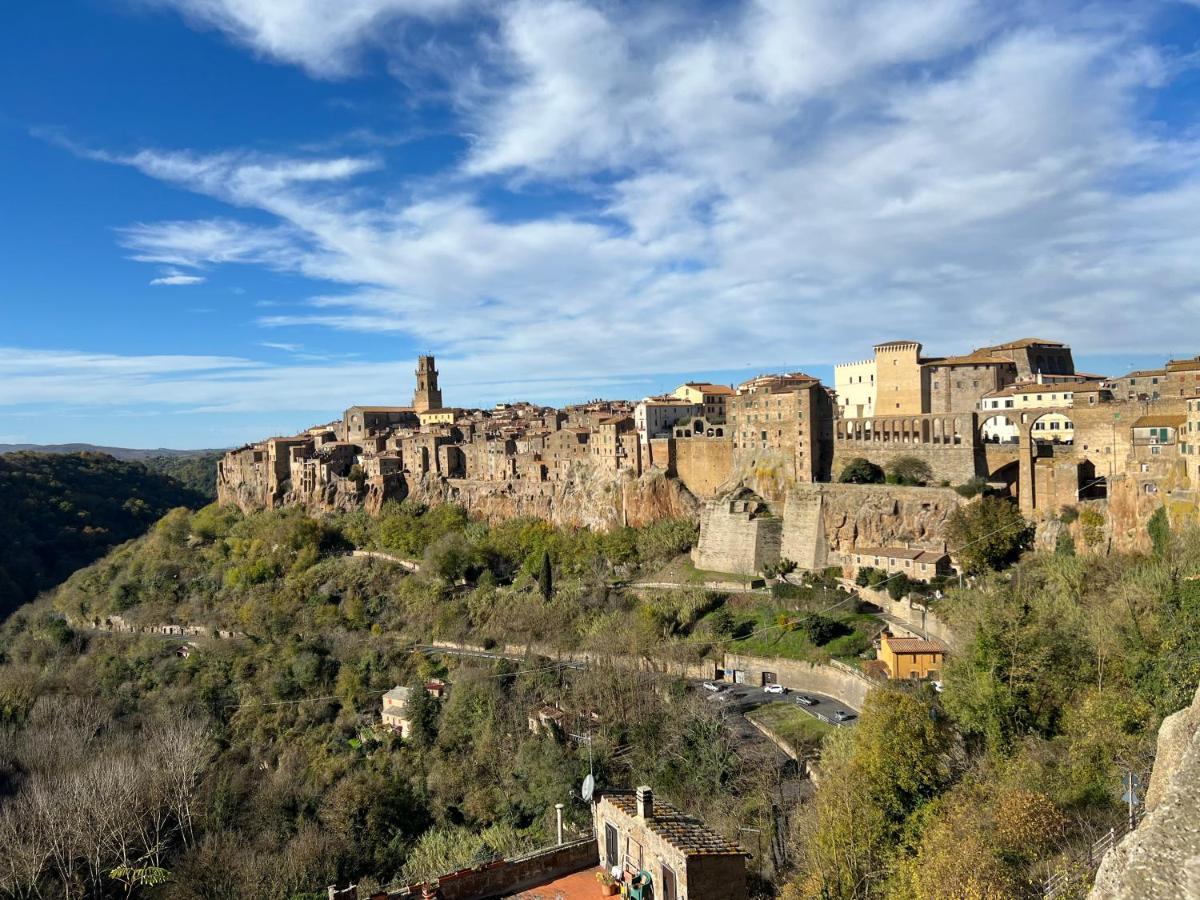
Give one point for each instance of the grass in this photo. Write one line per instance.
(681, 571)
(757, 618)
(792, 725)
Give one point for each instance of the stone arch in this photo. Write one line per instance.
(957, 431)
(999, 429)
(1052, 426)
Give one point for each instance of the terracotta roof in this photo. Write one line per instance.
(707, 388)
(1169, 421)
(975, 358)
(383, 408)
(689, 836)
(1086, 386)
(1025, 342)
(1143, 373)
(913, 645)
(898, 552)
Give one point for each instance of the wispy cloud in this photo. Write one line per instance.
(792, 181)
(171, 277)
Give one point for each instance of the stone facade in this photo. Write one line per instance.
(686, 861)
(817, 526)
(902, 383)
(739, 533)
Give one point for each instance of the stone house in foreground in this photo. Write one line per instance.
(685, 860)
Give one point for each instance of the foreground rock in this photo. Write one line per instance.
(1161, 858)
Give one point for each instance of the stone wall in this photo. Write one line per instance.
(703, 464)
(821, 524)
(734, 538)
(840, 682)
(949, 462)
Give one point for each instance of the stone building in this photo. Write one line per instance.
(920, 564)
(712, 397)
(654, 417)
(1178, 378)
(854, 384)
(784, 419)
(685, 860)
(1189, 443)
(901, 379)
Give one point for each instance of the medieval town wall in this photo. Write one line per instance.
(704, 465)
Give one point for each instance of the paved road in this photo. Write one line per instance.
(739, 699)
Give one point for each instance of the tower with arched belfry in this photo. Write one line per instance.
(427, 395)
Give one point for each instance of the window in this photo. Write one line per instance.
(668, 884)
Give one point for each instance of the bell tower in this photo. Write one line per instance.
(428, 395)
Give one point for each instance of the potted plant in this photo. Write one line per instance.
(608, 884)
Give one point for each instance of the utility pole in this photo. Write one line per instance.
(558, 808)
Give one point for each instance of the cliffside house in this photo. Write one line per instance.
(911, 658)
(684, 859)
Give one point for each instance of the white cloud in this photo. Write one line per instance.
(786, 184)
(323, 36)
(171, 277)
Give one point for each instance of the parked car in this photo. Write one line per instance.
(713, 686)
(805, 700)
(843, 716)
(775, 689)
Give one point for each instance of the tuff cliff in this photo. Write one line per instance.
(1160, 859)
(584, 497)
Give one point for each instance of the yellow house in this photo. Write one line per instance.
(907, 657)
(446, 416)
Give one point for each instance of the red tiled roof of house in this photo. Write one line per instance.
(914, 645)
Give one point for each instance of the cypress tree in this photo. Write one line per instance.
(546, 581)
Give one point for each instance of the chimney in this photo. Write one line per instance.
(645, 802)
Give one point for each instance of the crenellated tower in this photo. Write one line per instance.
(428, 395)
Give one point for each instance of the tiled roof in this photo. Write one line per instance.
(1160, 421)
(1025, 342)
(897, 552)
(1143, 373)
(707, 388)
(914, 645)
(687, 835)
(977, 358)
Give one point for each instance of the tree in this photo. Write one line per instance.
(861, 471)
(989, 534)
(1159, 527)
(546, 579)
(909, 470)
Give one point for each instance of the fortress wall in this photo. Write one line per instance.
(703, 464)
(955, 463)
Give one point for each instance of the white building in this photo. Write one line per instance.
(1000, 411)
(654, 416)
(855, 386)
(395, 710)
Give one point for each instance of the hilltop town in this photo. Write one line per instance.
(759, 463)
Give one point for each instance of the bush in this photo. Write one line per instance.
(861, 471)
(972, 488)
(909, 470)
(1092, 523)
(822, 629)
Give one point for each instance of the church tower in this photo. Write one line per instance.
(428, 395)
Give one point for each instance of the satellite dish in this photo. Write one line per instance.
(589, 787)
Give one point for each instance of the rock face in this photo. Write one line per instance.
(586, 499)
(1160, 859)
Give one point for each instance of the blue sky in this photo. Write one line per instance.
(224, 219)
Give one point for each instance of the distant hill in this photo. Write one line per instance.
(61, 511)
(130, 453)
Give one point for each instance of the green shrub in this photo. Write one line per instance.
(861, 471)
